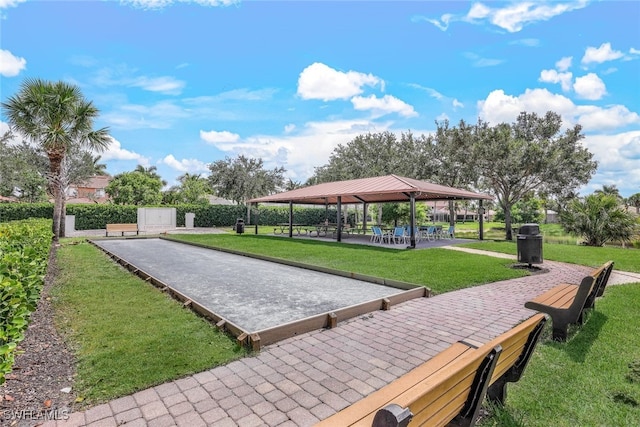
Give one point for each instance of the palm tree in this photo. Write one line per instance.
(634, 200)
(56, 117)
(598, 218)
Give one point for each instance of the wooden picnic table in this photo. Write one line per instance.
(299, 229)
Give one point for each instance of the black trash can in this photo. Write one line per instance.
(530, 244)
(240, 226)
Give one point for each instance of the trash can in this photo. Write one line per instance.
(530, 244)
(240, 226)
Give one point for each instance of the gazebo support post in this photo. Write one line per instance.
(365, 211)
(339, 219)
(291, 219)
(480, 220)
(412, 220)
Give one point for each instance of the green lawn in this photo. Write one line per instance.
(591, 380)
(441, 270)
(126, 334)
(625, 259)
(129, 336)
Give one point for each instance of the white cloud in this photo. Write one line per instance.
(381, 106)
(166, 85)
(618, 159)
(116, 152)
(552, 76)
(289, 128)
(600, 54)
(478, 61)
(564, 64)
(511, 18)
(161, 115)
(501, 108)
(610, 118)
(161, 4)
(318, 81)
(457, 104)
(301, 151)
(10, 65)
(185, 165)
(213, 137)
(590, 87)
(514, 17)
(4, 4)
(633, 51)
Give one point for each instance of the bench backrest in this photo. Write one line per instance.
(602, 277)
(122, 227)
(435, 392)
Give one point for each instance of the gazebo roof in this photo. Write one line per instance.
(389, 188)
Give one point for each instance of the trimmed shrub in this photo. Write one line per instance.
(24, 249)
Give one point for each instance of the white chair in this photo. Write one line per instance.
(399, 234)
(450, 233)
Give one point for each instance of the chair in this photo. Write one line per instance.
(398, 233)
(377, 235)
(431, 233)
(450, 233)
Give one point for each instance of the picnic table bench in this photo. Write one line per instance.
(567, 302)
(121, 228)
(297, 228)
(450, 387)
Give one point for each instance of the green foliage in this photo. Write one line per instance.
(524, 211)
(532, 154)
(135, 188)
(19, 211)
(57, 118)
(598, 219)
(244, 178)
(24, 248)
(96, 217)
(400, 213)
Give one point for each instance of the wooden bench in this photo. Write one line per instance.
(449, 388)
(121, 228)
(564, 304)
(601, 275)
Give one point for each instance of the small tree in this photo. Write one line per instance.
(135, 188)
(598, 218)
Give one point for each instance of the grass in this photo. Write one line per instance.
(591, 380)
(625, 259)
(441, 270)
(126, 334)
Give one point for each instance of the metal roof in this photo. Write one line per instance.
(389, 188)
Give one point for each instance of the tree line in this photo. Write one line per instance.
(533, 157)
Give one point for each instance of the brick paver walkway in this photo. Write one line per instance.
(307, 378)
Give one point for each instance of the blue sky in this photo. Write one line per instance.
(183, 83)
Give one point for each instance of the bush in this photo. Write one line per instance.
(97, 216)
(24, 248)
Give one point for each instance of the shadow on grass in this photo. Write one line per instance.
(582, 337)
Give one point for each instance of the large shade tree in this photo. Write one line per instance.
(56, 117)
(453, 165)
(533, 153)
(243, 178)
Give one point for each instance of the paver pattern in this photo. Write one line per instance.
(304, 379)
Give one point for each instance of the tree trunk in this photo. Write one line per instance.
(452, 213)
(507, 221)
(57, 212)
(63, 216)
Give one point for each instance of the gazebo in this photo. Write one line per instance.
(382, 189)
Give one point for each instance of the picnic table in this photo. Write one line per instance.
(297, 228)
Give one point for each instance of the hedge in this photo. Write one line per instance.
(24, 250)
(97, 216)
